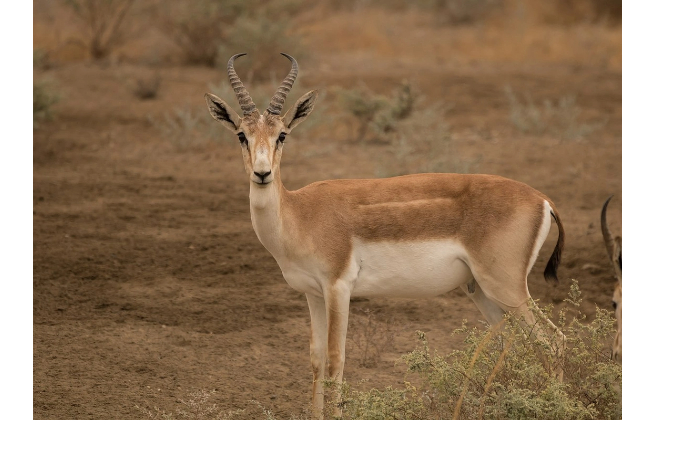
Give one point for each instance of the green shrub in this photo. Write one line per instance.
(421, 139)
(399, 107)
(363, 105)
(376, 111)
(418, 134)
(185, 128)
(560, 119)
(503, 374)
(387, 404)
(45, 97)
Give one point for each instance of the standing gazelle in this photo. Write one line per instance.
(420, 235)
(614, 248)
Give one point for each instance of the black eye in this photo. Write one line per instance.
(614, 304)
(241, 137)
(281, 138)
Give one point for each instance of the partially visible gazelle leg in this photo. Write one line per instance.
(515, 301)
(545, 331)
(337, 311)
(319, 347)
(491, 310)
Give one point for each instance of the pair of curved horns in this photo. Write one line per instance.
(277, 101)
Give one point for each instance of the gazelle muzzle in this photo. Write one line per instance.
(262, 177)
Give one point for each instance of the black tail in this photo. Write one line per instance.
(550, 272)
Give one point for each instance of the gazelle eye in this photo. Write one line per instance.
(242, 138)
(614, 304)
(281, 138)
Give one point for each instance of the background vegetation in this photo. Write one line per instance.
(205, 33)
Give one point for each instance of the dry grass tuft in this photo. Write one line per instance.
(514, 35)
(196, 407)
(560, 119)
(371, 337)
(199, 28)
(209, 32)
(103, 24)
(185, 128)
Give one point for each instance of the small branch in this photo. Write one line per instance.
(489, 381)
(479, 347)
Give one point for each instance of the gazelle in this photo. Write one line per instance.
(614, 248)
(419, 235)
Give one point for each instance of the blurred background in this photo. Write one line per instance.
(354, 51)
(149, 281)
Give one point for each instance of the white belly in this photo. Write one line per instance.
(409, 269)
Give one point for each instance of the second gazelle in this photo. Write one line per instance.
(419, 235)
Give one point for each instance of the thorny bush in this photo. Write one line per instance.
(503, 374)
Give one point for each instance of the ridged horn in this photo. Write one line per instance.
(278, 99)
(607, 236)
(244, 99)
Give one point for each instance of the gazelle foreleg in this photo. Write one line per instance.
(319, 349)
(337, 299)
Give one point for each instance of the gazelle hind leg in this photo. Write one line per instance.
(531, 318)
(545, 331)
(491, 310)
(319, 349)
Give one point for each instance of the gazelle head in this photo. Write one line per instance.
(614, 248)
(261, 136)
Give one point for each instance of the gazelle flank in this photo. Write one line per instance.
(614, 247)
(410, 236)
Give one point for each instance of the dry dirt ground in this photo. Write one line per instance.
(149, 282)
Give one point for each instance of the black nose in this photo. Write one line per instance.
(262, 176)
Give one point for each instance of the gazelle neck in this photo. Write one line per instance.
(265, 204)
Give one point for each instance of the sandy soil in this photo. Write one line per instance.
(149, 281)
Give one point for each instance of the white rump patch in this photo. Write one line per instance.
(541, 235)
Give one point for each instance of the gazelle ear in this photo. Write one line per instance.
(222, 112)
(302, 108)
